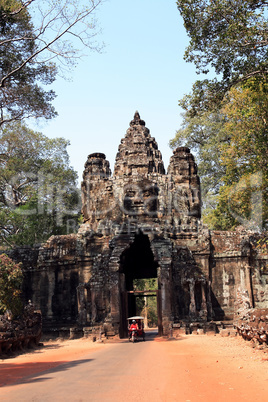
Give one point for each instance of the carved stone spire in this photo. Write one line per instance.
(138, 152)
(137, 120)
(96, 166)
(183, 171)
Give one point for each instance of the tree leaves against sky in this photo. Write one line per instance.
(229, 38)
(225, 118)
(37, 186)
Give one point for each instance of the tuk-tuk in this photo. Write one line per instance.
(136, 328)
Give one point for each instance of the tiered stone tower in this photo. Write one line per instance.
(138, 152)
(141, 223)
(141, 205)
(139, 188)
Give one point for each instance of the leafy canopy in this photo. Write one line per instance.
(38, 193)
(229, 37)
(225, 118)
(243, 196)
(21, 76)
(203, 134)
(39, 39)
(232, 147)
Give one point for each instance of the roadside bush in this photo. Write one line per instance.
(11, 277)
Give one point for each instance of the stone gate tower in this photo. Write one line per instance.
(141, 222)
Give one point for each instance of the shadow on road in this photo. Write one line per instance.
(40, 369)
(36, 349)
(151, 334)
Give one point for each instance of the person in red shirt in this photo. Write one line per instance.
(134, 325)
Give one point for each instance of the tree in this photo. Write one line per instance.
(10, 285)
(243, 196)
(147, 305)
(38, 193)
(231, 37)
(37, 40)
(203, 134)
(231, 146)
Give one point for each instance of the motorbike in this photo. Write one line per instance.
(136, 334)
(133, 336)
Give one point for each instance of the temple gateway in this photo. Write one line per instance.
(143, 222)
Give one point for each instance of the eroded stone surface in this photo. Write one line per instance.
(253, 325)
(143, 223)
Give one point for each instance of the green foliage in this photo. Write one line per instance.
(147, 305)
(225, 118)
(203, 134)
(229, 36)
(243, 196)
(231, 148)
(10, 285)
(150, 310)
(145, 284)
(262, 245)
(37, 40)
(38, 193)
(21, 77)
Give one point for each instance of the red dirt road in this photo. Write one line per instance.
(192, 368)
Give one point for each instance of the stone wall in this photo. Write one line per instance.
(253, 326)
(79, 279)
(142, 223)
(237, 263)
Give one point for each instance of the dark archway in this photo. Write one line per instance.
(136, 262)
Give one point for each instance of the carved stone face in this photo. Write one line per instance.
(140, 199)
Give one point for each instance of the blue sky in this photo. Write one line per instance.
(141, 68)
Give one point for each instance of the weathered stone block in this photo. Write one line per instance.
(140, 223)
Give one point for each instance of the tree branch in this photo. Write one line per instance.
(48, 45)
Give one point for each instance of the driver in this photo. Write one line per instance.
(134, 325)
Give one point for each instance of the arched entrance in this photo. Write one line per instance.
(137, 263)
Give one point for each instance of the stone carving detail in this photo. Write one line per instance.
(139, 186)
(183, 169)
(138, 223)
(253, 326)
(138, 152)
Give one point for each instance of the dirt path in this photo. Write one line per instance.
(193, 368)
